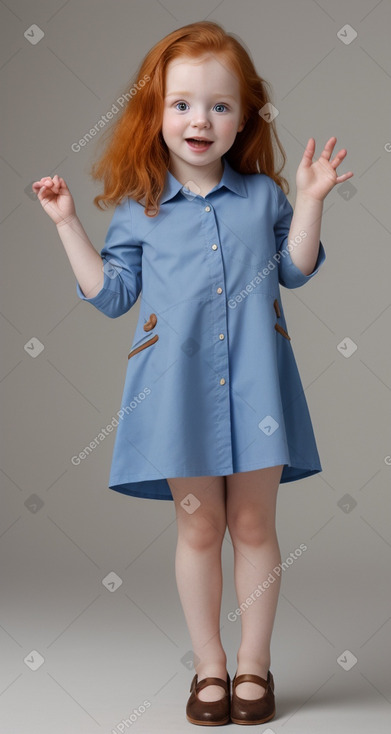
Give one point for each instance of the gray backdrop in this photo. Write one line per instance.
(92, 633)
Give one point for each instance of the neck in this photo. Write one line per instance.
(203, 177)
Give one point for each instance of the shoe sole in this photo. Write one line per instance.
(208, 723)
(258, 721)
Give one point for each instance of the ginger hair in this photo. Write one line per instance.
(136, 158)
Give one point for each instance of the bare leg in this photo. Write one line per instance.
(199, 573)
(251, 509)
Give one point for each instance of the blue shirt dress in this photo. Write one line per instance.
(212, 386)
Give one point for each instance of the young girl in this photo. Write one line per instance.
(213, 414)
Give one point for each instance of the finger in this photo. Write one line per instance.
(47, 181)
(328, 148)
(309, 152)
(344, 177)
(43, 194)
(339, 157)
(38, 186)
(38, 183)
(56, 184)
(49, 190)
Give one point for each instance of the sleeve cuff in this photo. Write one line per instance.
(110, 292)
(290, 275)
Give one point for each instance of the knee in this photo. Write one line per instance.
(200, 532)
(248, 527)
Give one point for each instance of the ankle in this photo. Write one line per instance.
(216, 668)
(258, 666)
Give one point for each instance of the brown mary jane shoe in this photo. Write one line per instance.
(258, 710)
(208, 713)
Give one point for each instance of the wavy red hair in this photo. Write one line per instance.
(136, 158)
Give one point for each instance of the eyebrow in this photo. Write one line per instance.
(187, 94)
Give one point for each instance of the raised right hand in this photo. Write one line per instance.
(55, 197)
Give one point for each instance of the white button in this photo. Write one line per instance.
(222, 381)
(207, 208)
(219, 290)
(214, 247)
(221, 336)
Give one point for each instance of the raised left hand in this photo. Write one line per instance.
(315, 179)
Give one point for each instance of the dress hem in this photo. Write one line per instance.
(124, 487)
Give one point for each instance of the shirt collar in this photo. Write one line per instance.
(230, 179)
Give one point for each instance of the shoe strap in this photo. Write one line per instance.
(211, 682)
(249, 678)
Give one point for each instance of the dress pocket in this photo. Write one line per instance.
(148, 326)
(278, 326)
(143, 346)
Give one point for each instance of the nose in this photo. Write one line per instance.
(200, 118)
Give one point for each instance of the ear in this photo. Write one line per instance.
(242, 124)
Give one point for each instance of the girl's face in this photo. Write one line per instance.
(202, 100)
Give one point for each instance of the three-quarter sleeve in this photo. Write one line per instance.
(289, 274)
(121, 263)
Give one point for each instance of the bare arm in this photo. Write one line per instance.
(314, 180)
(307, 216)
(86, 263)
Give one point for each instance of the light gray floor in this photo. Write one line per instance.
(63, 533)
(109, 653)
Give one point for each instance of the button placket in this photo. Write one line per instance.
(219, 320)
(219, 290)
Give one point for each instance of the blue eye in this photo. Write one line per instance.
(222, 107)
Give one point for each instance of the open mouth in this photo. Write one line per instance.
(199, 142)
